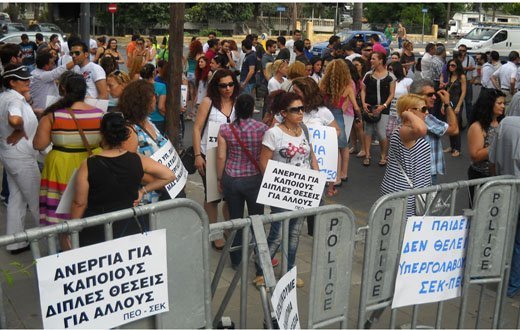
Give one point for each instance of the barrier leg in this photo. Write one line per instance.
(438, 319)
(244, 282)
(265, 306)
(221, 263)
(393, 317)
(373, 318)
(3, 321)
(480, 303)
(415, 311)
(227, 297)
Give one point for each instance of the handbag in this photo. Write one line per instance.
(370, 117)
(420, 199)
(81, 134)
(244, 147)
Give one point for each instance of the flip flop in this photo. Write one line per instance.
(382, 162)
(366, 162)
(361, 154)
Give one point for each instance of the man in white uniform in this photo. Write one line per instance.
(505, 77)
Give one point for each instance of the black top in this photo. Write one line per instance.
(113, 182)
(378, 90)
(284, 54)
(249, 60)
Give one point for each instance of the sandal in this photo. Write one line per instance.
(345, 179)
(332, 193)
(361, 154)
(353, 151)
(382, 162)
(218, 247)
(366, 162)
(455, 153)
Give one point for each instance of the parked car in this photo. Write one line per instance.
(47, 27)
(12, 27)
(16, 37)
(491, 36)
(346, 36)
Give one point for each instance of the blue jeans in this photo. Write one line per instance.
(237, 191)
(400, 42)
(514, 277)
(275, 238)
(248, 89)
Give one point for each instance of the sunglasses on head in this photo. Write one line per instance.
(75, 53)
(296, 109)
(229, 84)
(423, 109)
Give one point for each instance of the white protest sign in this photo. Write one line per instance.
(213, 128)
(105, 285)
(291, 187)
(324, 140)
(51, 99)
(168, 156)
(432, 260)
(184, 95)
(211, 176)
(349, 121)
(68, 195)
(285, 302)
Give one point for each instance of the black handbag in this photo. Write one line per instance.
(188, 159)
(370, 117)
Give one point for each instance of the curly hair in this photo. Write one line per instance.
(296, 70)
(195, 49)
(484, 107)
(213, 89)
(311, 92)
(136, 101)
(280, 100)
(335, 80)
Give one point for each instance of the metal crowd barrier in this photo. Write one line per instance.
(332, 255)
(187, 230)
(493, 217)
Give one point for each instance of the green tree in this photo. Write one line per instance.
(223, 12)
(512, 8)
(137, 17)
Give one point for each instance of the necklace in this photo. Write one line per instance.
(294, 131)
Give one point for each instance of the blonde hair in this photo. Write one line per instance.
(296, 70)
(336, 78)
(273, 67)
(121, 77)
(408, 101)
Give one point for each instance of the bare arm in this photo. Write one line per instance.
(43, 134)
(476, 149)
(462, 94)
(221, 159)
(413, 127)
(101, 86)
(79, 203)
(161, 104)
(202, 113)
(453, 125)
(265, 155)
(250, 74)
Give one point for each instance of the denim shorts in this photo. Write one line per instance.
(342, 138)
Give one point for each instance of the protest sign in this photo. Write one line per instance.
(168, 156)
(211, 162)
(68, 195)
(213, 128)
(324, 140)
(51, 99)
(432, 260)
(285, 302)
(184, 95)
(291, 187)
(105, 285)
(349, 121)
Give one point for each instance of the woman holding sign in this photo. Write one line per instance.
(136, 103)
(111, 181)
(217, 108)
(286, 143)
(409, 153)
(239, 175)
(72, 126)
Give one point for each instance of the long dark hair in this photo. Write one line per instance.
(213, 90)
(244, 107)
(397, 70)
(459, 71)
(74, 89)
(483, 108)
(280, 100)
(311, 92)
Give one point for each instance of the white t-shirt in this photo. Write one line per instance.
(506, 72)
(274, 85)
(486, 72)
(14, 104)
(401, 88)
(288, 149)
(92, 73)
(290, 45)
(321, 116)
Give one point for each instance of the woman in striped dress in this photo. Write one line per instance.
(409, 153)
(68, 149)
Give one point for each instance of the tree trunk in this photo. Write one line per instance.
(175, 47)
(448, 13)
(357, 16)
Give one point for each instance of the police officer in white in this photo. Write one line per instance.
(18, 125)
(505, 77)
(94, 74)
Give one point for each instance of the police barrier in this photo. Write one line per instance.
(493, 219)
(331, 266)
(187, 230)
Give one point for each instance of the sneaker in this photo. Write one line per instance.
(275, 262)
(299, 283)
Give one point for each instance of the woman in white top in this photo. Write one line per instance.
(217, 107)
(286, 143)
(278, 71)
(402, 87)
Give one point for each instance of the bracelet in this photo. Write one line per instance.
(144, 189)
(196, 155)
(447, 105)
(384, 105)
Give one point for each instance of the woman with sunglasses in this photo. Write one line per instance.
(456, 86)
(409, 156)
(278, 71)
(112, 50)
(218, 107)
(286, 143)
(72, 126)
(489, 111)
(111, 181)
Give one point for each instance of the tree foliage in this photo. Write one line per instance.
(222, 12)
(409, 13)
(136, 16)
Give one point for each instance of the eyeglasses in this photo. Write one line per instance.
(453, 65)
(75, 53)
(230, 84)
(462, 51)
(367, 49)
(430, 94)
(296, 109)
(423, 109)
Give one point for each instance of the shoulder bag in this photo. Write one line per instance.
(81, 134)
(244, 147)
(420, 199)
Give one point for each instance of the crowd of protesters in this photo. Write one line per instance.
(370, 95)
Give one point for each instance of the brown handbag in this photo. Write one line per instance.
(83, 137)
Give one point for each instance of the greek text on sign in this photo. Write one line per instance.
(285, 302)
(324, 140)
(432, 260)
(105, 285)
(291, 187)
(168, 156)
(213, 128)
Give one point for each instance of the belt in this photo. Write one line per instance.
(70, 150)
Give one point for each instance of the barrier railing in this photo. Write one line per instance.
(187, 230)
(384, 237)
(331, 266)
